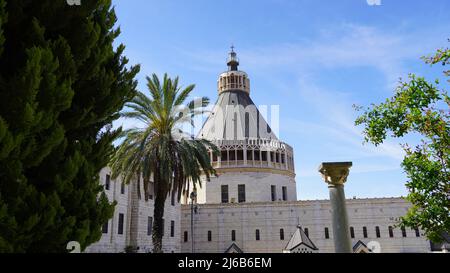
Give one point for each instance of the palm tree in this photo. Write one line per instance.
(160, 150)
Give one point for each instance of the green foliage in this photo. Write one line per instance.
(419, 107)
(160, 150)
(130, 249)
(62, 83)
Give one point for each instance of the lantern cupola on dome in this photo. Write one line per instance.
(233, 79)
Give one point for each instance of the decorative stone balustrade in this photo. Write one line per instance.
(254, 153)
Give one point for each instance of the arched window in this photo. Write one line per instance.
(232, 155)
(224, 155)
(264, 156)
(249, 155)
(257, 155)
(240, 155)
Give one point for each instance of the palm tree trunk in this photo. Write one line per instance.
(158, 214)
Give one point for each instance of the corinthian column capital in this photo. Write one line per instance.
(335, 173)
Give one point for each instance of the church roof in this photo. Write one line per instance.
(361, 247)
(299, 237)
(235, 117)
(233, 248)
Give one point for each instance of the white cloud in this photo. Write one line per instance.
(337, 120)
(342, 46)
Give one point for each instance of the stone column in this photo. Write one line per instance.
(244, 154)
(335, 175)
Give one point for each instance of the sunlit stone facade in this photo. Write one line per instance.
(133, 218)
(370, 219)
(251, 206)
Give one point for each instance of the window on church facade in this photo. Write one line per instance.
(233, 235)
(241, 193)
(107, 181)
(240, 155)
(352, 232)
(273, 190)
(264, 156)
(209, 236)
(151, 190)
(149, 225)
(377, 232)
(284, 190)
(172, 228)
(257, 154)
(257, 235)
(391, 232)
(403, 231)
(224, 155)
(224, 193)
(232, 155)
(281, 234)
(249, 155)
(327, 233)
(185, 236)
(172, 198)
(122, 188)
(417, 232)
(365, 232)
(120, 227)
(306, 232)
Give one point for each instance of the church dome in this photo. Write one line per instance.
(253, 164)
(239, 129)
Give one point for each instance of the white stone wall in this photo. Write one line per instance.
(171, 213)
(135, 229)
(257, 187)
(270, 217)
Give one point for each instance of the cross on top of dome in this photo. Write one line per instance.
(232, 61)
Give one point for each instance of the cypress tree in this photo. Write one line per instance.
(62, 83)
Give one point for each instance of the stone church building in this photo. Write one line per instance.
(251, 206)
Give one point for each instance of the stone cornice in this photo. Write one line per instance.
(255, 170)
(367, 201)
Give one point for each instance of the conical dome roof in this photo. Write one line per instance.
(235, 116)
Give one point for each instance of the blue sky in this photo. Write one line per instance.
(314, 59)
